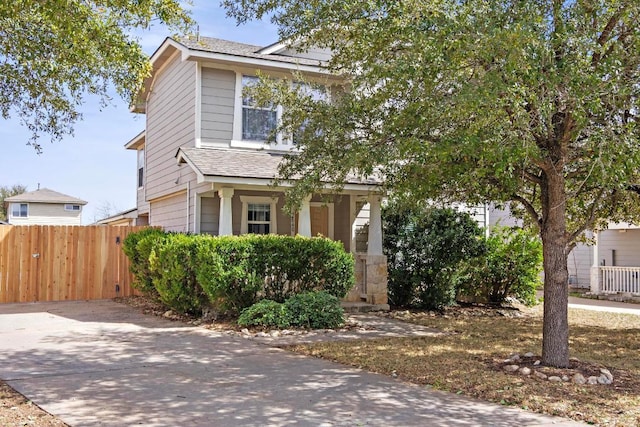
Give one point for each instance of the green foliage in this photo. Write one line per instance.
(225, 270)
(511, 266)
(424, 247)
(230, 273)
(266, 313)
(173, 264)
(314, 310)
(56, 52)
(137, 247)
(6, 191)
(291, 265)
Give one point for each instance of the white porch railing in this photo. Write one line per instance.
(620, 279)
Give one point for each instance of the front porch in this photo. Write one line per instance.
(616, 261)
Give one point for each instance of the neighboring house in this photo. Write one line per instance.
(128, 217)
(610, 265)
(204, 166)
(44, 207)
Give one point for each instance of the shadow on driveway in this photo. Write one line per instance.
(103, 363)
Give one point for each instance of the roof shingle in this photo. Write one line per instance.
(44, 195)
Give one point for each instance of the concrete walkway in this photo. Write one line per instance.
(604, 305)
(103, 363)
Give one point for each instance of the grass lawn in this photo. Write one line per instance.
(469, 361)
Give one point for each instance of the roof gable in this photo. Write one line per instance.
(44, 195)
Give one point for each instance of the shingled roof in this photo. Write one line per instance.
(213, 45)
(44, 195)
(239, 163)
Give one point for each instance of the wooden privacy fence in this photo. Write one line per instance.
(53, 263)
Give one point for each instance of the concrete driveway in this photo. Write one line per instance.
(103, 363)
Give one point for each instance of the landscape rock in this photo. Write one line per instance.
(274, 334)
(514, 357)
(603, 379)
(579, 379)
(592, 380)
(511, 368)
(536, 363)
(168, 314)
(245, 331)
(262, 334)
(529, 354)
(525, 371)
(607, 373)
(555, 379)
(540, 375)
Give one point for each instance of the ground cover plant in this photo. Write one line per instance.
(469, 360)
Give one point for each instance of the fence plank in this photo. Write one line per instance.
(74, 262)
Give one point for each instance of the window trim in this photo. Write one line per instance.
(140, 170)
(19, 209)
(273, 202)
(283, 143)
(68, 207)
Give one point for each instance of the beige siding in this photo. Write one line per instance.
(313, 53)
(170, 125)
(170, 213)
(619, 249)
(48, 214)
(579, 264)
(217, 104)
(210, 215)
(143, 206)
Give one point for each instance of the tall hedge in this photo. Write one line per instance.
(230, 273)
(137, 247)
(173, 265)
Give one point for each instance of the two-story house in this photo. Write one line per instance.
(44, 207)
(204, 166)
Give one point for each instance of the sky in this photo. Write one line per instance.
(92, 164)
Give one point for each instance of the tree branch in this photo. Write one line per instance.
(528, 207)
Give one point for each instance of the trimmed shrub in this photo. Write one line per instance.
(137, 247)
(424, 247)
(173, 262)
(265, 313)
(230, 273)
(226, 272)
(291, 265)
(314, 310)
(510, 267)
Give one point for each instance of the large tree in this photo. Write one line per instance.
(531, 102)
(54, 52)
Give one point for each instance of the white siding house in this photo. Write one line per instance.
(44, 207)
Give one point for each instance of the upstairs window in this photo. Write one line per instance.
(72, 208)
(257, 122)
(141, 168)
(19, 210)
(316, 93)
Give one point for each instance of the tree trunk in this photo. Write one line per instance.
(555, 331)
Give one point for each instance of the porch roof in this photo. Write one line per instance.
(238, 163)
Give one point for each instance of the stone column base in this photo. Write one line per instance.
(371, 280)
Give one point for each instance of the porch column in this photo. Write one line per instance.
(304, 218)
(594, 281)
(374, 245)
(225, 223)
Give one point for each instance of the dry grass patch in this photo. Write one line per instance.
(469, 360)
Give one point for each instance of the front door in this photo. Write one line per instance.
(320, 220)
